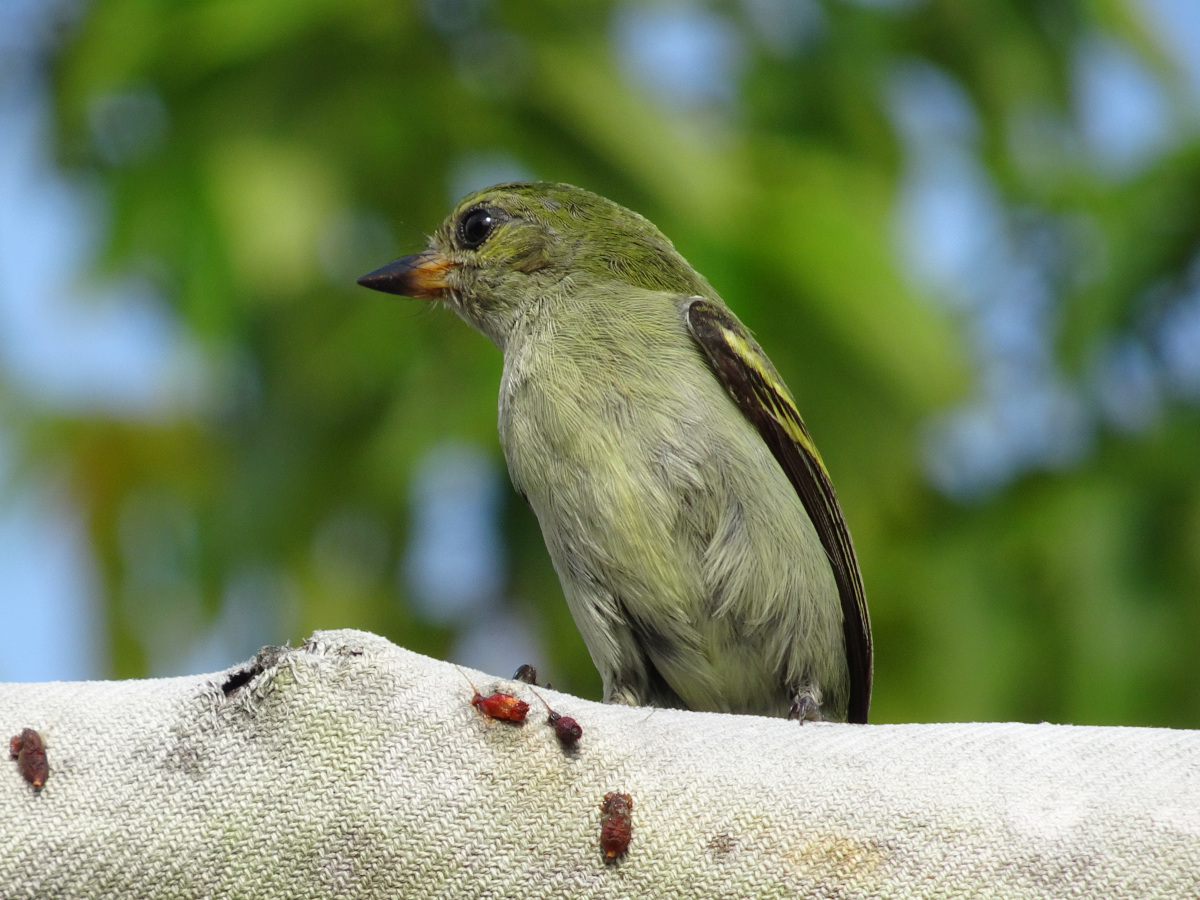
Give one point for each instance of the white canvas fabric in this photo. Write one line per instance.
(353, 768)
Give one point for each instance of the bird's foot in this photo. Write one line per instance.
(624, 696)
(805, 707)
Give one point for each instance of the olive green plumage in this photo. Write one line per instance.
(686, 510)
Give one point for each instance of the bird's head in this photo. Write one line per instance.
(511, 246)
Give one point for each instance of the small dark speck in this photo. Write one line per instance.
(721, 844)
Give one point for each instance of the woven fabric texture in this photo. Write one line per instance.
(353, 768)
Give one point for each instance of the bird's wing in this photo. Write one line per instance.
(751, 381)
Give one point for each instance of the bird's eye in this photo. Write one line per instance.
(474, 227)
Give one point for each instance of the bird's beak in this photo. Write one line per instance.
(421, 275)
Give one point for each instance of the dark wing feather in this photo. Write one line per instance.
(751, 381)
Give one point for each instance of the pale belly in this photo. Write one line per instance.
(684, 553)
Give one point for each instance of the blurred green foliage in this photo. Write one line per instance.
(296, 134)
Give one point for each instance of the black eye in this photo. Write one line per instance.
(474, 227)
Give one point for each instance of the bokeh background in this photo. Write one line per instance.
(968, 234)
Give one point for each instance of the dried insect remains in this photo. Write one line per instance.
(498, 705)
(566, 729)
(28, 749)
(616, 828)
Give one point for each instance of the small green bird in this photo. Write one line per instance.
(690, 519)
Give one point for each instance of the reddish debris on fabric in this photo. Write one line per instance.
(566, 729)
(28, 749)
(501, 706)
(616, 828)
(498, 705)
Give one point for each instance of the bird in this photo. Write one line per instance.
(691, 521)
